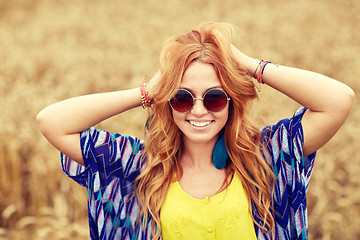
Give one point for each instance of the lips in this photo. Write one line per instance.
(200, 123)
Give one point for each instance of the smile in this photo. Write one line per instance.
(199, 124)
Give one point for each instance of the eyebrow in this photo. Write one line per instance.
(192, 92)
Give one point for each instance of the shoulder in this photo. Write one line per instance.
(104, 141)
(284, 130)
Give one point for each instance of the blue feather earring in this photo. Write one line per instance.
(220, 154)
(148, 121)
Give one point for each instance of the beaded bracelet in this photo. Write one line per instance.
(145, 101)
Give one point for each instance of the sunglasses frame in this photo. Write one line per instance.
(202, 99)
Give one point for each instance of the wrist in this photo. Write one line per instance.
(150, 91)
(145, 97)
(253, 67)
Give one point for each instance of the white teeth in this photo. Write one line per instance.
(200, 124)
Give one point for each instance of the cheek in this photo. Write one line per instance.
(177, 117)
(225, 119)
(224, 116)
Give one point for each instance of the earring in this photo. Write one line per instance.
(148, 121)
(220, 154)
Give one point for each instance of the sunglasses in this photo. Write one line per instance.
(214, 100)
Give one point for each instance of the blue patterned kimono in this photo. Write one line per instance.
(113, 161)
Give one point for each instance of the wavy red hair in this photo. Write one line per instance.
(210, 43)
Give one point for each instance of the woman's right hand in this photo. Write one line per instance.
(154, 84)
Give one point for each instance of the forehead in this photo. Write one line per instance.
(200, 76)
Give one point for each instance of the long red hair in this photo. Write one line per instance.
(210, 43)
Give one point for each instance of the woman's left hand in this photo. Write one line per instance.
(329, 101)
(249, 64)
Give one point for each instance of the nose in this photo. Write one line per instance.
(198, 108)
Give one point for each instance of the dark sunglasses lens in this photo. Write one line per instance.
(182, 101)
(215, 100)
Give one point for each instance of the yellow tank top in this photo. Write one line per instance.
(223, 216)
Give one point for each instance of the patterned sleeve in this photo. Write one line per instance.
(284, 141)
(283, 149)
(109, 155)
(112, 163)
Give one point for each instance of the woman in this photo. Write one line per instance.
(204, 170)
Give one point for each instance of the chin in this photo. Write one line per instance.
(201, 139)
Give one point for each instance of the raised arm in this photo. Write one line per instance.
(329, 101)
(62, 122)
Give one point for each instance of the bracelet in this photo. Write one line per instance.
(145, 101)
(259, 77)
(257, 68)
(261, 71)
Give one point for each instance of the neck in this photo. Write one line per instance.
(197, 154)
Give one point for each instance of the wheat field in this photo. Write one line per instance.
(51, 50)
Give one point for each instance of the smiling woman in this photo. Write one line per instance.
(198, 125)
(170, 185)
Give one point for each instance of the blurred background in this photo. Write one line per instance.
(51, 50)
